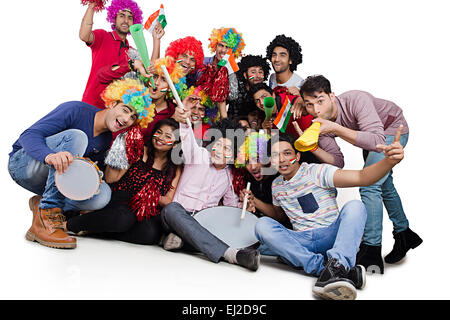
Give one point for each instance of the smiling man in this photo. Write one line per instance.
(252, 70)
(110, 59)
(324, 240)
(365, 121)
(285, 54)
(72, 129)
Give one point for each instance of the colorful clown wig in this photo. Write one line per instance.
(118, 5)
(211, 112)
(134, 94)
(174, 69)
(254, 147)
(188, 45)
(230, 37)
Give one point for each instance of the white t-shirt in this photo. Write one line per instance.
(294, 81)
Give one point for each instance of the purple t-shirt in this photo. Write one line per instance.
(371, 117)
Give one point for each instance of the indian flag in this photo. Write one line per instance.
(154, 18)
(229, 62)
(283, 116)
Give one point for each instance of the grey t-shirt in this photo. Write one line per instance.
(294, 81)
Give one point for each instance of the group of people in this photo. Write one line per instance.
(164, 162)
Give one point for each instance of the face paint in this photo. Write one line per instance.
(164, 90)
(213, 149)
(155, 135)
(292, 161)
(179, 61)
(251, 78)
(170, 143)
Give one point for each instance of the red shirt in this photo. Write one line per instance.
(107, 50)
(304, 122)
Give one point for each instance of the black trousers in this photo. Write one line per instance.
(117, 221)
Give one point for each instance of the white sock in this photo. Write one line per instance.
(172, 242)
(230, 255)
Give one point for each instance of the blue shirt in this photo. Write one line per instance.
(69, 115)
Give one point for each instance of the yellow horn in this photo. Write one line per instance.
(309, 138)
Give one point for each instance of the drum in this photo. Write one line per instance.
(81, 181)
(226, 224)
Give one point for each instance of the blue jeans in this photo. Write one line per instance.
(307, 249)
(39, 178)
(381, 192)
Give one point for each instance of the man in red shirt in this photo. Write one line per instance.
(110, 49)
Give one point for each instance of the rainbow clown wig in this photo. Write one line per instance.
(211, 112)
(188, 45)
(134, 94)
(174, 69)
(118, 5)
(253, 149)
(230, 37)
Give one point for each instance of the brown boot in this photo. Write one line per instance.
(47, 227)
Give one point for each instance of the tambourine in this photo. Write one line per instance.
(226, 224)
(81, 181)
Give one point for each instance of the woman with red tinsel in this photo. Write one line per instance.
(139, 192)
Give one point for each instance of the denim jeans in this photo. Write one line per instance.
(176, 219)
(307, 249)
(39, 178)
(381, 192)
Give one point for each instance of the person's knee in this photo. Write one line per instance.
(355, 210)
(264, 229)
(171, 210)
(78, 141)
(102, 198)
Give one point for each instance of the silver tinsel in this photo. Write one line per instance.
(117, 154)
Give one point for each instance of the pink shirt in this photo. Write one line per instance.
(201, 185)
(373, 118)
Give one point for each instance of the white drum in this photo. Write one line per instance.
(226, 224)
(81, 181)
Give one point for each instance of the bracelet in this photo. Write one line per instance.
(131, 65)
(315, 148)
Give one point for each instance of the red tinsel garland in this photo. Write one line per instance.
(100, 4)
(134, 144)
(238, 180)
(145, 202)
(215, 83)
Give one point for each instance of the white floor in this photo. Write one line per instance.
(107, 269)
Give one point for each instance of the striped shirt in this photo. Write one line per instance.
(309, 198)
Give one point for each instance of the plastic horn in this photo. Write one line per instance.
(309, 139)
(137, 33)
(174, 91)
(244, 206)
(269, 104)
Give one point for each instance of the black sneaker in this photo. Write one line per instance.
(404, 241)
(248, 258)
(334, 284)
(370, 257)
(358, 276)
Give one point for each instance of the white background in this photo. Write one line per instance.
(397, 50)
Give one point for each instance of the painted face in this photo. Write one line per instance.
(120, 116)
(254, 75)
(285, 159)
(259, 96)
(161, 87)
(280, 59)
(222, 152)
(163, 139)
(123, 22)
(197, 113)
(221, 50)
(187, 61)
(320, 105)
